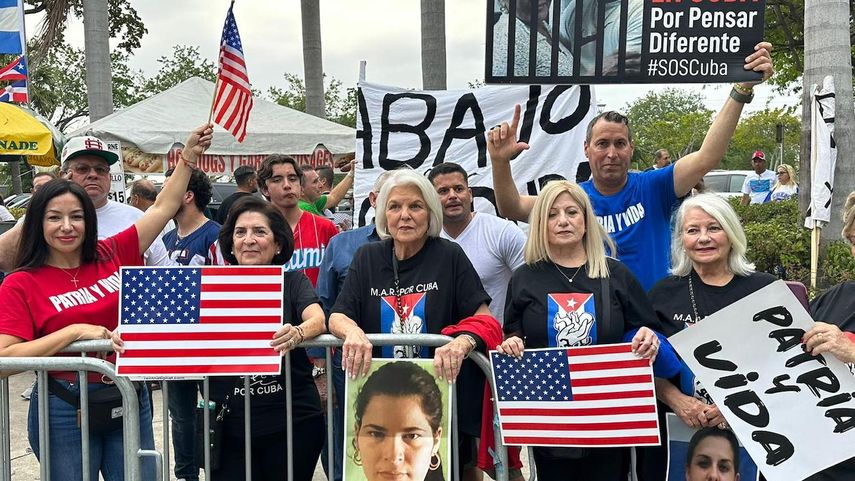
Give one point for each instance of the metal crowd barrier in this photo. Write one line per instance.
(131, 407)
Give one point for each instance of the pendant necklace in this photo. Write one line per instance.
(72, 276)
(569, 279)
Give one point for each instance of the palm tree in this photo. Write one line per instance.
(433, 45)
(828, 52)
(99, 81)
(313, 62)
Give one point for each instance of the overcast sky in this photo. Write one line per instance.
(385, 33)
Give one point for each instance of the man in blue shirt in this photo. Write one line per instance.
(334, 268)
(634, 208)
(187, 245)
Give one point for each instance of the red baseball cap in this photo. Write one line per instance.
(758, 154)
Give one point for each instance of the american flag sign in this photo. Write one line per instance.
(232, 96)
(593, 396)
(199, 321)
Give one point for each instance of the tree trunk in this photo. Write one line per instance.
(15, 174)
(313, 62)
(828, 52)
(433, 45)
(99, 83)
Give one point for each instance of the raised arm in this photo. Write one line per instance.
(502, 145)
(150, 225)
(340, 190)
(689, 170)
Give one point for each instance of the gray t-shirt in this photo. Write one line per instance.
(115, 217)
(495, 248)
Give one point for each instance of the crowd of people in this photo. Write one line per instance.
(644, 257)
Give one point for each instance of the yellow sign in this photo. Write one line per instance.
(22, 134)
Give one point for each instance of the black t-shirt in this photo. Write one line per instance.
(552, 312)
(268, 392)
(673, 303)
(226, 205)
(439, 288)
(836, 306)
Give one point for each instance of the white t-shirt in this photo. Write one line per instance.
(495, 248)
(5, 215)
(115, 217)
(784, 192)
(758, 186)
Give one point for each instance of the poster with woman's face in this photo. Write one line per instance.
(397, 423)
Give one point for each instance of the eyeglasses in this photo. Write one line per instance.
(782, 173)
(83, 169)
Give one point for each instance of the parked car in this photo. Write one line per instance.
(726, 183)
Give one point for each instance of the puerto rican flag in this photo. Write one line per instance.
(413, 306)
(571, 319)
(17, 93)
(17, 70)
(582, 396)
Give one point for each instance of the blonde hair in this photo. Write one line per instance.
(791, 173)
(848, 216)
(405, 177)
(594, 241)
(720, 210)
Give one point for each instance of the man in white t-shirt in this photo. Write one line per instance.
(493, 245)
(758, 184)
(86, 162)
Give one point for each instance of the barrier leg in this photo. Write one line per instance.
(83, 379)
(164, 405)
(5, 432)
(247, 432)
(44, 429)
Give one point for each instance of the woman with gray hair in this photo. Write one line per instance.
(709, 271)
(414, 282)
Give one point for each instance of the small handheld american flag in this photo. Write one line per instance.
(594, 396)
(232, 95)
(195, 321)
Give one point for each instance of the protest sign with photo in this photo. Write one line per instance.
(587, 396)
(793, 412)
(422, 129)
(679, 436)
(397, 423)
(621, 41)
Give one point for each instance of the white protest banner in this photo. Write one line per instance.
(679, 437)
(793, 412)
(422, 129)
(117, 174)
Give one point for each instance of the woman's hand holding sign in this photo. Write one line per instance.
(829, 338)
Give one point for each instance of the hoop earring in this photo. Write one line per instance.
(357, 457)
(434, 464)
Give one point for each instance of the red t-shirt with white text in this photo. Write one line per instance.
(311, 237)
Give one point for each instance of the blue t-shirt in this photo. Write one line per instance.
(191, 250)
(638, 219)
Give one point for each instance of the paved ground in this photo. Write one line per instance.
(25, 466)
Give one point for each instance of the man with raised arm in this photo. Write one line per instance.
(634, 208)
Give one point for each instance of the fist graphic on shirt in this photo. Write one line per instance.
(573, 329)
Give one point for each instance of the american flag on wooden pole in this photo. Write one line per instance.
(232, 93)
(594, 396)
(199, 321)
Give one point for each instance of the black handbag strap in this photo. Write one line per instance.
(61, 392)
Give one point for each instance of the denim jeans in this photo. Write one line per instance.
(338, 419)
(106, 452)
(182, 402)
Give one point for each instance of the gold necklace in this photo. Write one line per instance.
(72, 276)
(569, 279)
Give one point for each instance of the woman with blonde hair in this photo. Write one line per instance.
(569, 293)
(786, 185)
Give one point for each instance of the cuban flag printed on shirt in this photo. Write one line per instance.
(11, 26)
(571, 320)
(17, 92)
(413, 306)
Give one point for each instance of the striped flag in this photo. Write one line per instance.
(194, 321)
(15, 92)
(17, 70)
(594, 396)
(12, 26)
(233, 97)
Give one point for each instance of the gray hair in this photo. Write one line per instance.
(720, 210)
(408, 177)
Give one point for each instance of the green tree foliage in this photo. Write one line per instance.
(673, 119)
(340, 102)
(785, 30)
(758, 131)
(185, 62)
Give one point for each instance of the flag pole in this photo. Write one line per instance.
(815, 233)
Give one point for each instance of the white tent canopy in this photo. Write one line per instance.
(157, 123)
